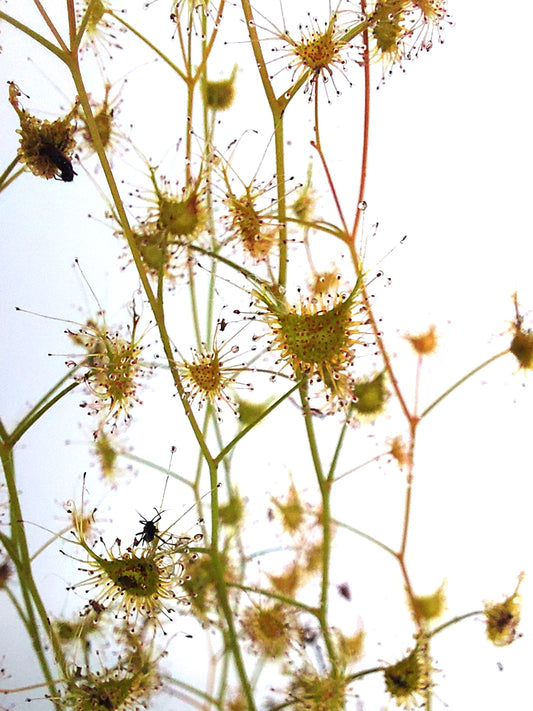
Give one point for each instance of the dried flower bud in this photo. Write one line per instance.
(318, 693)
(304, 204)
(409, 677)
(268, 629)
(126, 686)
(106, 454)
(370, 396)
(424, 343)
(429, 607)
(398, 450)
(249, 411)
(45, 146)
(219, 95)
(232, 512)
(292, 510)
(351, 648)
(522, 344)
(503, 618)
(288, 581)
(522, 349)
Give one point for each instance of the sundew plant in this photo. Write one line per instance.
(264, 435)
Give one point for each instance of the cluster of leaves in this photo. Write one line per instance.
(303, 346)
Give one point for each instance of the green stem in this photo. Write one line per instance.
(363, 673)
(50, 24)
(325, 493)
(194, 306)
(156, 306)
(21, 559)
(3, 178)
(462, 380)
(454, 621)
(336, 454)
(227, 611)
(34, 35)
(37, 412)
(277, 110)
(224, 452)
(191, 690)
(157, 467)
(366, 536)
(152, 46)
(279, 144)
(275, 596)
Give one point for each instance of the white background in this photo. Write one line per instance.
(450, 165)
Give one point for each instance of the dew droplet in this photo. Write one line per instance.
(362, 205)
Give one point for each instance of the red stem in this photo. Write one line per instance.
(366, 132)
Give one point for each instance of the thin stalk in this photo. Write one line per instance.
(379, 339)
(153, 47)
(191, 689)
(336, 454)
(209, 128)
(38, 405)
(7, 171)
(207, 46)
(325, 493)
(461, 381)
(419, 362)
(28, 588)
(32, 417)
(20, 612)
(31, 687)
(279, 145)
(71, 12)
(76, 40)
(454, 621)
(51, 25)
(12, 179)
(194, 306)
(156, 307)
(271, 595)
(317, 145)
(363, 673)
(224, 452)
(222, 594)
(34, 35)
(188, 130)
(406, 523)
(366, 536)
(277, 110)
(157, 467)
(258, 54)
(366, 133)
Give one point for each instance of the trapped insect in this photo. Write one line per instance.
(63, 164)
(149, 531)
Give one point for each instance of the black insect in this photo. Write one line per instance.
(149, 531)
(344, 591)
(61, 162)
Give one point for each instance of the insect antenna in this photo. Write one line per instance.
(150, 530)
(172, 453)
(87, 283)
